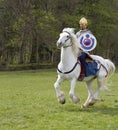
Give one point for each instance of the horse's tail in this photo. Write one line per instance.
(110, 70)
(110, 67)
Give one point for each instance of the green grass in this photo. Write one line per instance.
(28, 102)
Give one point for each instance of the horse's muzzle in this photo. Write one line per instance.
(59, 44)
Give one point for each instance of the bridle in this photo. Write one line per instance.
(67, 72)
(69, 37)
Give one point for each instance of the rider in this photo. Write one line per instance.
(83, 27)
(83, 55)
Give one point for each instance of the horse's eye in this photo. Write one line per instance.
(68, 36)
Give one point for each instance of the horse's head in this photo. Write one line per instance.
(68, 39)
(65, 38)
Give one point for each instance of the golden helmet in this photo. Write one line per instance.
(83, 21)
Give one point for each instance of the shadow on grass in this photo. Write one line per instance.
(113, 111)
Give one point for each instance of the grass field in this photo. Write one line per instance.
(28, 102)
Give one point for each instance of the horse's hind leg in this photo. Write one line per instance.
(90, 100)
(72, 95)
(59, 93)
(101, 83)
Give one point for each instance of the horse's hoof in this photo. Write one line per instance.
(62, 101)
(83, 106)
(75, 99)
(91, 103)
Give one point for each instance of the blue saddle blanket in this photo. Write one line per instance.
(91, 68)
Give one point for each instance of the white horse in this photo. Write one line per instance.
(70, 69)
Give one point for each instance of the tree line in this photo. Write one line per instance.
(29, 29)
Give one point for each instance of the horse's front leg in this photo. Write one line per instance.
(59, 93)
(75, 98)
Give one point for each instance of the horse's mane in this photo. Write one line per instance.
(75, 46)
(69, 30)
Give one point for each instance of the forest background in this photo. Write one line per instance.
(29, 29)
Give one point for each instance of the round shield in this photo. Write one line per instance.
(87, 41)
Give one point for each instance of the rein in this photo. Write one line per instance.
(66, 47)
(70, 70)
